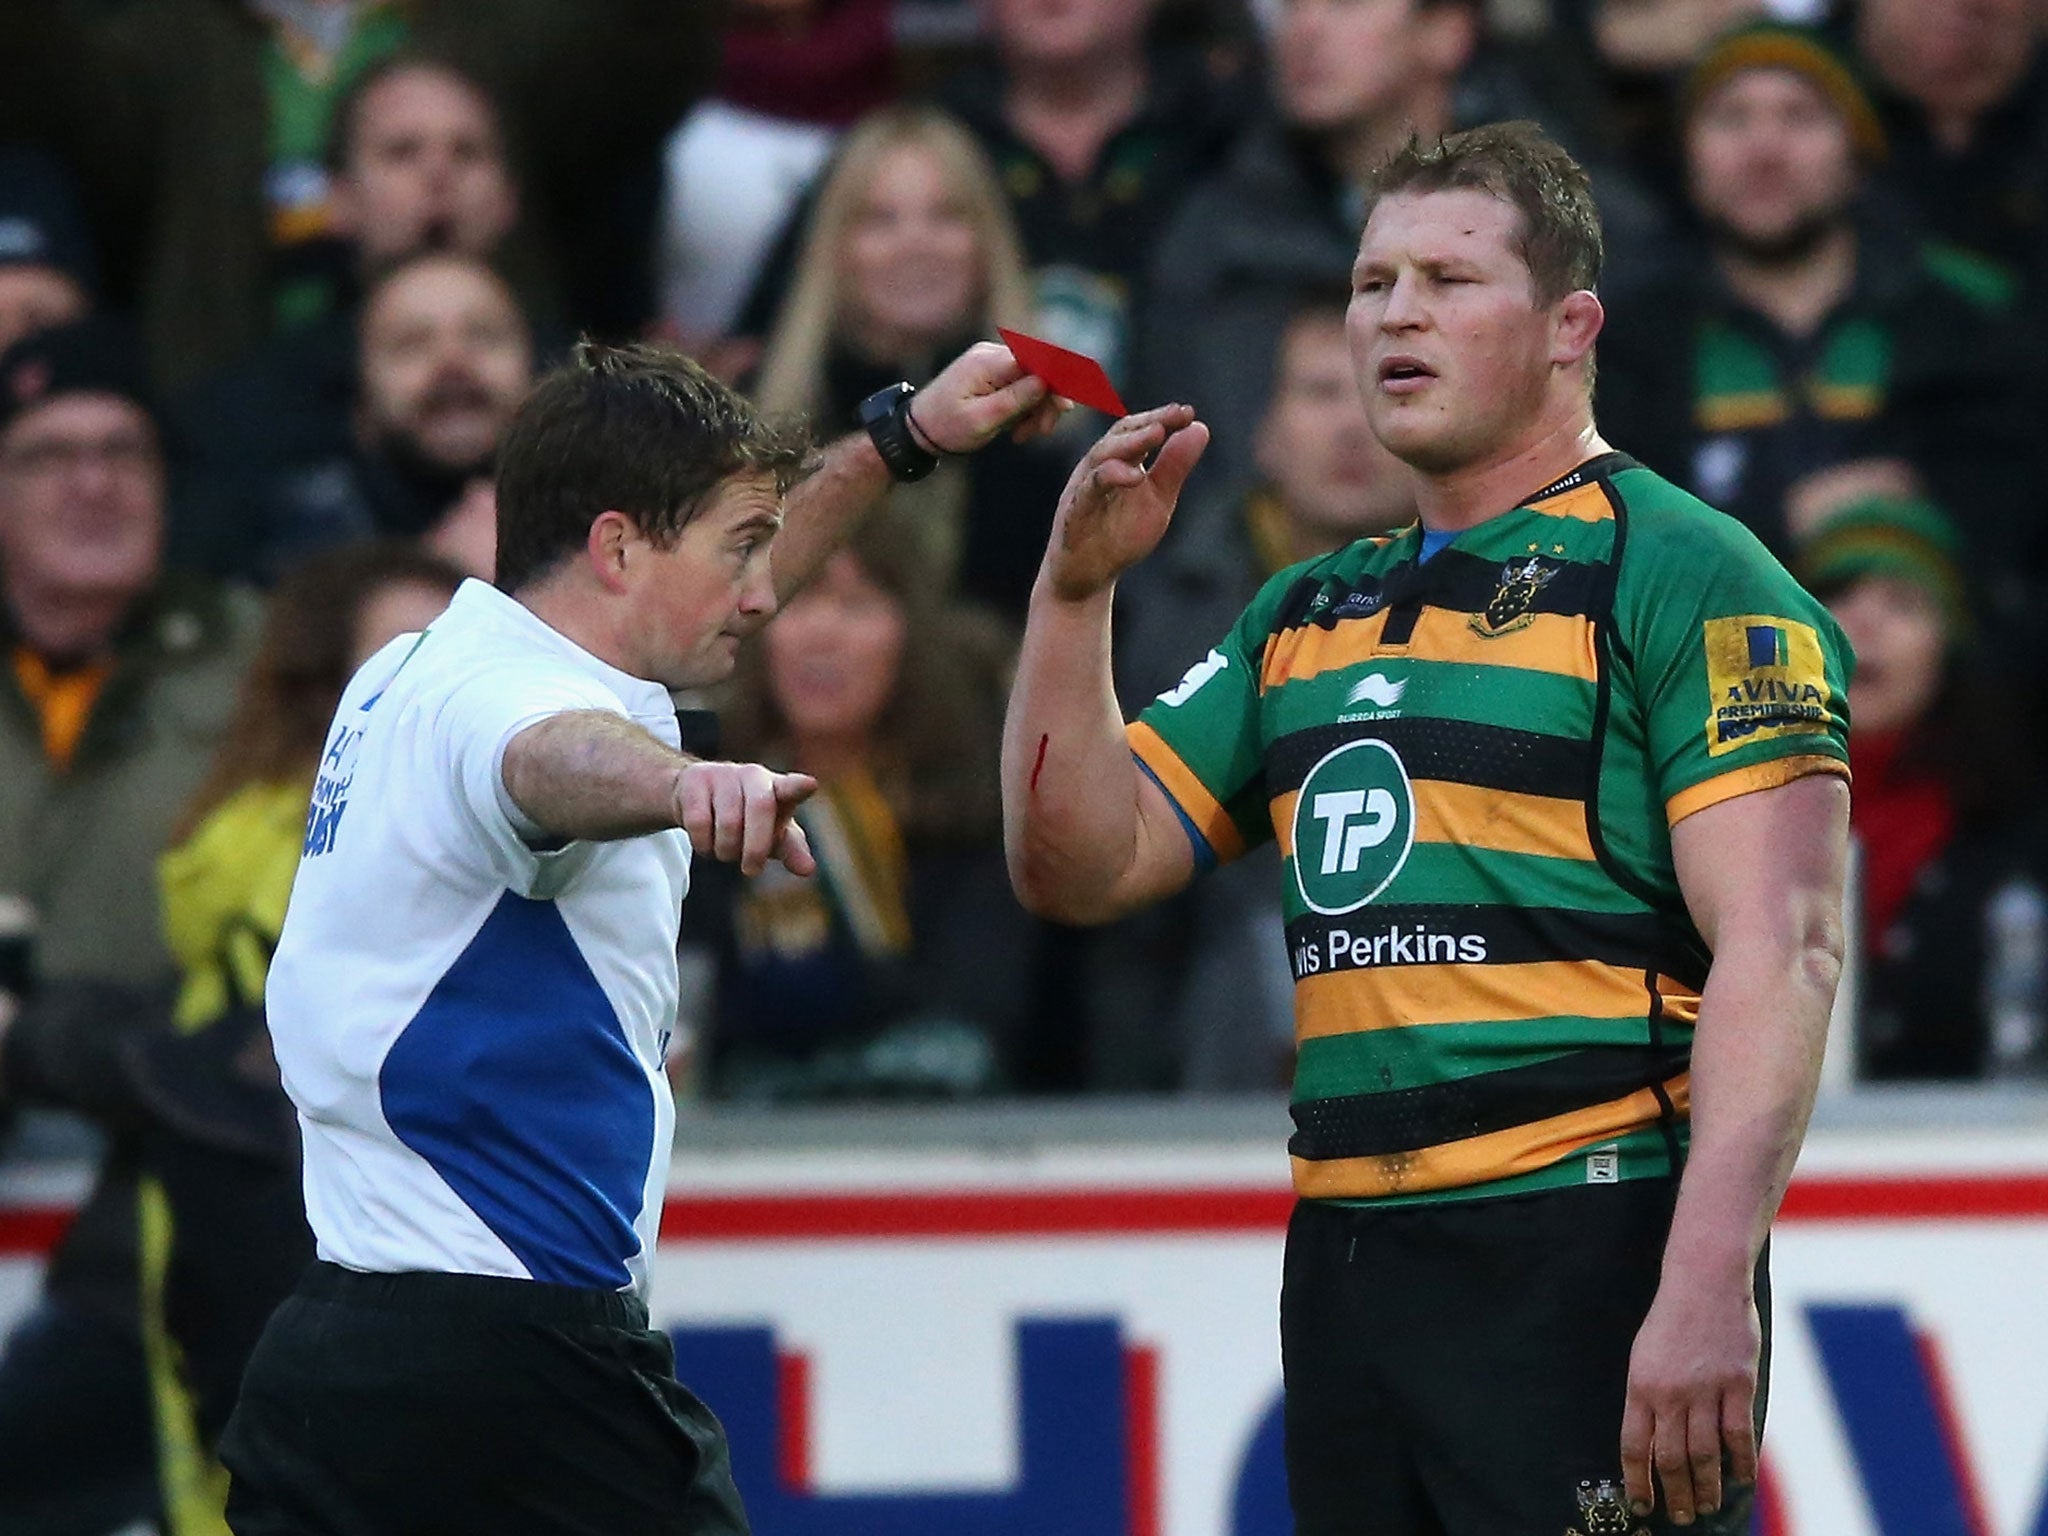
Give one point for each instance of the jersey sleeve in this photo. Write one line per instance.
(1200, 740)
(1741, 674)
(474, 724)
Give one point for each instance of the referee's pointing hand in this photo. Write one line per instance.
(746, 813)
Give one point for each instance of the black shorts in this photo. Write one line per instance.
(441, 1405)
(1460, 1369)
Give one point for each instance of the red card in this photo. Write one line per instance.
(1070, 375)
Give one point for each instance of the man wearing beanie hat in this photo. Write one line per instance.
(114, 681)
(1811, 340)
(1955, 861)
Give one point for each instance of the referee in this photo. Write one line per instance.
(472, 996)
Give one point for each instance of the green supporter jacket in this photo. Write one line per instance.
(1471, 765)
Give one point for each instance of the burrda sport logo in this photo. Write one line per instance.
(1354, 824)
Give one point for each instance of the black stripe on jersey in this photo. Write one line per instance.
(1408, 1119)
(1453, 751)
(1377, 936)
(1466, 583)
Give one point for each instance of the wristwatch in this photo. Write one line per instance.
(886, 415)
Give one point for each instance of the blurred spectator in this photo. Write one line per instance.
(444, 358)
(120, 680)
(46, 261)
(793, 74)
(418, 161)
(1096, 140)
(1964, 98)
(1352, 81)
(1954, 912)
(1199, 994)
(1811, 336)
(197, 128)
(909, 256)
(900, 969)
(224, 1234)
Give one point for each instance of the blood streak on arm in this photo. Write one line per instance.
(1039, 766)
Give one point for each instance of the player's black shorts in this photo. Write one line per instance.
(445, 1405)
(1460, 1369)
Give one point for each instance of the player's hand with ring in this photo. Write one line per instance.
(1114, 510)
(746, 814)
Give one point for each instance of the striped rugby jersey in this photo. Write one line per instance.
(1472, 764)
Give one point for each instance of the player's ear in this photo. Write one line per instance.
(1579, 319)
(608, 547)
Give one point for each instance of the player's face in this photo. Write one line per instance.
(834, 654)
(691, 604)
(912, 261)
(1770, 160)
(1896, 629)
(1316, 445)
(1450, 349)
(445, 362)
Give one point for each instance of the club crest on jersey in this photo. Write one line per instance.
(1603, 1511)
(1509, 608)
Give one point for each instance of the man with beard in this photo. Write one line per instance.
(1816, 350)
(444, 356)
(416, 162)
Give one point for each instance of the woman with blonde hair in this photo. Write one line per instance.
(910, 253)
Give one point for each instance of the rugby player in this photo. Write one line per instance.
(1559, 778)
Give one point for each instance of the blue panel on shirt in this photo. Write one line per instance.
(1432, 541)
(516, 1082)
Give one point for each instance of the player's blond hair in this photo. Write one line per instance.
(1524, 167)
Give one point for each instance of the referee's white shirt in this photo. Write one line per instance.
(472, 1029)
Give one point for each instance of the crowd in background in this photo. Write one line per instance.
(275, 274)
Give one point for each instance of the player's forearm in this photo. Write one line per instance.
(1755, 1068)
(1070, 822)
(591, 776)
(823, 508)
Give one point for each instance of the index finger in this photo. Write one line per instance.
(793, 788)
(1169, 416)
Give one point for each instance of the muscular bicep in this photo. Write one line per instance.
(1767, 868)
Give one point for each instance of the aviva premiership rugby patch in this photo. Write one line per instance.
(1767, 678)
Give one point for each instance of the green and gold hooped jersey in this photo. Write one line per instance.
(1472, 764)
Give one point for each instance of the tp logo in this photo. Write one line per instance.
(1354, 822)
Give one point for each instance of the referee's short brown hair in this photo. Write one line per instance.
(640, 430)
(1521, 165)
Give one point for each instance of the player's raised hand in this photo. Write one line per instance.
(1115, 511)
(744, 813)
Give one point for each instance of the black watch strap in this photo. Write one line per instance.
(886, 415)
